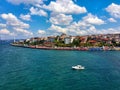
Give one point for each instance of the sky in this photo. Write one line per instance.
(38, 18)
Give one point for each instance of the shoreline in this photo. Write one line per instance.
(69, 48)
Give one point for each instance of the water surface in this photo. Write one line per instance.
(34, 69)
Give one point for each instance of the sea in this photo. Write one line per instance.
(35, 69)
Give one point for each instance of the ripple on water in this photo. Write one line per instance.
(32, 69)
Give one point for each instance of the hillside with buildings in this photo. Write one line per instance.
(64, 40)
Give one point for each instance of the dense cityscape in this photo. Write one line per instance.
(97, 42)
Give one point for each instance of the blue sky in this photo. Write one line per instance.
(28, 18)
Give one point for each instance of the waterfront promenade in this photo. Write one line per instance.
(104, 48)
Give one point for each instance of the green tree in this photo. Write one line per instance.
(76, 42)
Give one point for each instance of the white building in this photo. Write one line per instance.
(67, 40)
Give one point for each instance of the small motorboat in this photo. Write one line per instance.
(78, 67)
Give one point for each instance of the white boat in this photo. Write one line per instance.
(78, 67)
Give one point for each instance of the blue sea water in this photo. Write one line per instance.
(35, 69)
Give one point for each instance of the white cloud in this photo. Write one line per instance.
(61, 19)
(65, 6)
(91, 19)
(2, 25)
(41, 32)
(36, 11)
(4, 32)
(23, 31)
(12, 20)
(90, 30)
(25, 17)
(82, 28)
(110, 31)
(16, 26)
(85, 26)
(114, 10)
(57, 29)
(112, 20)
(33, 2)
